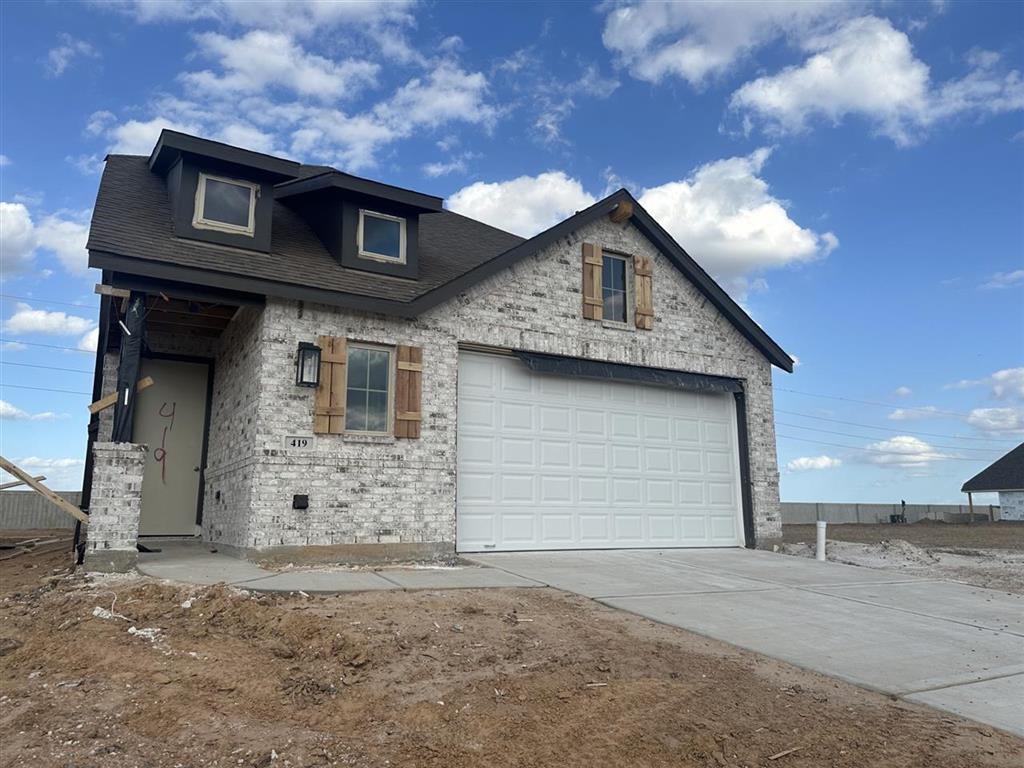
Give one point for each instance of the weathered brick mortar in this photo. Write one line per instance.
(388, 490)
(114, 509)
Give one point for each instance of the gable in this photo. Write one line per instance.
(697, 304)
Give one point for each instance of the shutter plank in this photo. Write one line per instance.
(339, 385)
(593, 302)
(408, 387)
(322, 399)
(401, 391)
(643, 274)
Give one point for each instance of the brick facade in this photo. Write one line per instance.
(116, 503)
(384, 491)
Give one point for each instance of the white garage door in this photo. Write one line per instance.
(547, 462)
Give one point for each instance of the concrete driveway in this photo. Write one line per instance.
(949, 645)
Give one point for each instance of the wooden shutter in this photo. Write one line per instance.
(643, 275)
(329, 403)
(593, 301)
(408, 386)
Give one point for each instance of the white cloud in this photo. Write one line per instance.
(90, 340)
(447, 94)
(63, 234)
(903, 451)
(700, 41)
(1005, 279)
(999, 420)
(67, 50)
(138, 137)
(17, 239)
(867, 68)
(28, 320)
(525, 205)
(1007, 383)
(805, 463)
(9, 412)
(66, 238)
(903, 391)
(99, 122)
(724, 215)
(295, 16)
(4, 161)
(62, 474)
(457, 164)
(87, 165)
(261, 60)
(911, 414)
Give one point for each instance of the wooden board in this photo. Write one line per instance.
(42, 490)
(109, 400)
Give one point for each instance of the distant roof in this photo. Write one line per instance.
(1005, 474)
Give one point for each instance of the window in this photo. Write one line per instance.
(368, 397)
(381, 237)
(615, 288)
(225, 205)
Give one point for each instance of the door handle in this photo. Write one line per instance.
(195, 469)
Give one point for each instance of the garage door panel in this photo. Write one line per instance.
(556, 489)
(592, 457)
(686, 430)
(547, 462)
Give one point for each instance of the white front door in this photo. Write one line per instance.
(548, 462)
(170, 419)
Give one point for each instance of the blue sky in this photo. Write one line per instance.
(852, 172)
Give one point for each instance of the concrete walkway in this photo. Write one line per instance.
(949, 645)
(191, 562)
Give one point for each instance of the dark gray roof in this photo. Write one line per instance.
(132, 233)
(1005, 474)
(132, 218)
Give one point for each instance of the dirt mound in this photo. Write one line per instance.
(130, 672)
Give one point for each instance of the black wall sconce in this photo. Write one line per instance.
(307, 365)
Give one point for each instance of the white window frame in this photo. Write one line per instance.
(630, 296)
(392, 361)
(199, 222)
(364, 254)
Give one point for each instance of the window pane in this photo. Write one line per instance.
(226, 203)
(615, 306)
(377, 412)
(606, 273)
(357, 367)
(355, 410)
(382, 236)
(378, 370)
(614, 273)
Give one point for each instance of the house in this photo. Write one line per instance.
(344, 370)
(1005, 476)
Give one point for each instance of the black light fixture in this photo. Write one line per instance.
(307, 365)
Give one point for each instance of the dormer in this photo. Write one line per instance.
(219, 193)
(366, 225)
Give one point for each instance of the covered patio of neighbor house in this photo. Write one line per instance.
(168, 396)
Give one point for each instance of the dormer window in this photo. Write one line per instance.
(381, 237)
(225, 205)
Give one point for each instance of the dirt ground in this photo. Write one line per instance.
(128, 671)
(983, 554)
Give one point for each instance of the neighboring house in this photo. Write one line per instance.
(345, 366)
(1005, 476)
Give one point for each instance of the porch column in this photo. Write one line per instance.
(134, 328)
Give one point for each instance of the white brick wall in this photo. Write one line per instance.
(365, 490)
(368, 491)
(114, 509)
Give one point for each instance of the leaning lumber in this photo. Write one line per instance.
(111, 399)
(43, 491)
(16, 483)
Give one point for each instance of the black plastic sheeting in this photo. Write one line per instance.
(575, 367)
(128, 368)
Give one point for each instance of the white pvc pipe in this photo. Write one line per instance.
(819, 552)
